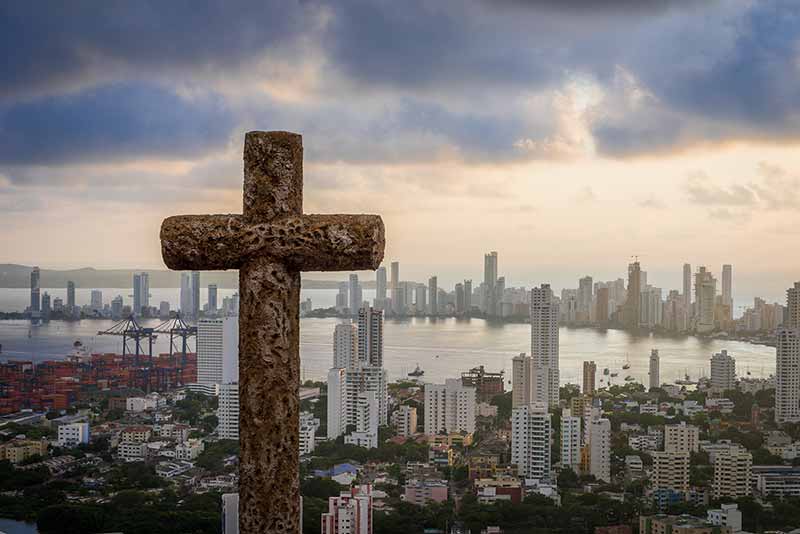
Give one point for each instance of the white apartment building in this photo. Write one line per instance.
(723, 371)
(189, 450)
(366, 378)
(349, 513)
(405, 421)
(681, 438)
(521, 371)
(308, 431)
(228, 411)
(655, 369)
(73, 434)
(733, 471)
(544, 346)
(217, 351)
(787, 375)
(600, 449)
(337, 411)
(449, 407)
(366, 433)
(570, 440)
(530, 441)
(345, 344)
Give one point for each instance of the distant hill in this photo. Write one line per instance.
(12, 276)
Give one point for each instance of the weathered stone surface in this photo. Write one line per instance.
(270, 243)
(308, 242)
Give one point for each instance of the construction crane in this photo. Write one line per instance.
(132, 332)
(179, 332)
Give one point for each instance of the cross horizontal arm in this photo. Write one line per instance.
(306, 242)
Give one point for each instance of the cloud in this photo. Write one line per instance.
(702, 190)
(112, 123)
(772, 189)
(61, 47)
(652, 202)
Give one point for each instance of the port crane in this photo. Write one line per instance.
(132, 332)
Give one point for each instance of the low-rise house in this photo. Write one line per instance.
(132, 451)
(420, 492)
(502, 488)
(20, 449)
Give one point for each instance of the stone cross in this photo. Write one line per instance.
(270, 243)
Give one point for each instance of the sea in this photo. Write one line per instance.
(441, 347)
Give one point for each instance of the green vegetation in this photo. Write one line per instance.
(330, 453)
(136, 512)
(214, 453)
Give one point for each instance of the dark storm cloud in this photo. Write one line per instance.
(50, 44)
(111, 123)
(732, 77)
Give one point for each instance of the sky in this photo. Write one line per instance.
(568, 135)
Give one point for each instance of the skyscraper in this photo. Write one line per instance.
(787, 361)
(420, 302)
(195, 294)
(70, 297)
(141, 293)
(186, 295)
(793, 306)
(212, 299)
(46, 308)
(589, 374)
(433, 296)
(687, 288)
(468, 297)
(380, 288)
(355, 295)
(394, 286)
(632, 310)
(727, 282)
(370, 337)
(705, 289)
(217, 352)
(530, 441)
(601, 306)
(544, 346)
(96, 301)
(655, 369)
(35, 289)
(585, 288)
(459, 299)
(489, 281)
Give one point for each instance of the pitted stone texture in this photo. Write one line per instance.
(269, 406)
(270, 243)
(308, 242)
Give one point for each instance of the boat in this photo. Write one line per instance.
(627, 364)
(629, 378)
(605, 371)
(614, 375)
(417, 372)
